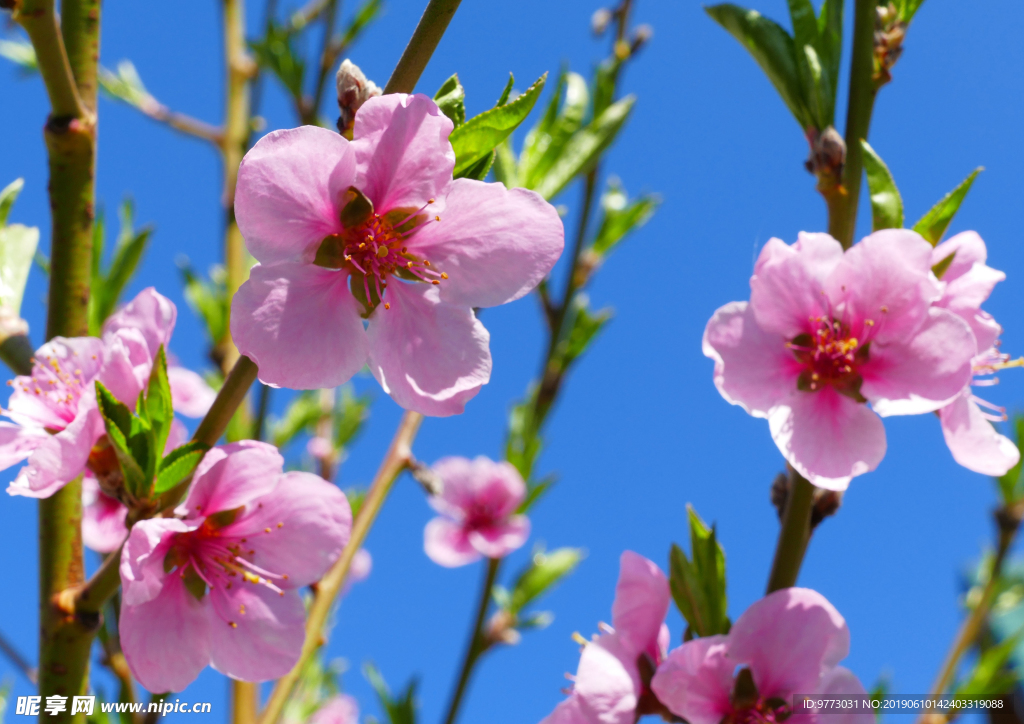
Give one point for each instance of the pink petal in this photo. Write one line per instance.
(964, 297)
(608, 681)
(498, 540)
(359, 571)
(969, 249)
(402, 151)
(166, 640)
(59, 458)
(191, 395)
(309, 521)
(495, 244)
(568, 712)
(696, 680)
(446, 544)
(231, 476)
(71, 355)
(753, 368)
(339, 709)
(103, 518)
(300, 324)
(886, 278)
(973, 440)
(150, 313)
(840, 683)
(142, 559)
(788, 281)
(473, 484)
(828, 437)
(289, 187)
(641, 602)
(127, 365)
(266, 640)
(431, 357)
(17, 442)
(922, 373)
(787, 639)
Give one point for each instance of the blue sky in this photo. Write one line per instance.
(640, 430)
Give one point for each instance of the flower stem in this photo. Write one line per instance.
(843, 218)
(1008, 522)
(421, 45)
(397, 459)
(476, 646)
(245, 702)
(39, 19)
(230, 396)
(794, 534)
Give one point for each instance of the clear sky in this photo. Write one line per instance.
(640, 430)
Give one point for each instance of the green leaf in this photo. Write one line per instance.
(830, 42)
(585, 327)
(178, 465)
(908, 8)
(128, 437)
(546, 141)
(686, 590)
(621, 216)
(159, 408)
(507, 91)
(478, 171)
(478, 136)
(17, 249)
(208, 298)
(505, 165)
(886, 203)
(21, 53)
(126, 85)
(698, 583)
(1012, 485)
(351, 414)
(934, 224)
(107, 287)
(939, 269)
(605, 78)
(8, 196)
(400, 710)
(451, 99)
(544, 572)
(275, 53)
(364, 16)
(535, 491)
(991, 677)
(582, 151)
(302, 414)
(524, 443)
(772, 48)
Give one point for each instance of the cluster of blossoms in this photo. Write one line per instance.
(790, 642)
(828, 331)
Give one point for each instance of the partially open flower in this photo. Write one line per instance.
(354, 89)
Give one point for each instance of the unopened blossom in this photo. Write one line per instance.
(371, 254)
(967, 420)
(788, 643)
(477, 502)
(339, 709)
(354, 89)
(826, 332)
(219, 584)
(609, 686)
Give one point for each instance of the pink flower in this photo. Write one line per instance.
(477, 503)
(826, 331)
(608, 684)
(54, 414)
(968, 431)
(788, 643)
(219, 585)
(375, 229)
(339, 709)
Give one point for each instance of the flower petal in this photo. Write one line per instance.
(151, 313)
(568, 712)
(17, 442)
(608, 681)
(267, 637)
(103, 518)
(495, 244)
(431, 357)
(498, 540)
(828, 437)
(230, 476)
(788, 639)
(972, 439)
(969, 248)
(695, 681)
(142, 558)
(39, 409)
(788, 281)
(191, 395)
(339, 709)
(59, 458)
(166, 640)
(402, 150)
(840, 683)
(922, 373)
(641, 602)
(446, 544)
(289, 187)
(494, 486)
(298, 528)
(300, 324)
(753, 368)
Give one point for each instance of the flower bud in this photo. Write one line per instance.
(641, 36)
(354, 89)
(599, 20)
(890, 31)
(827, 157)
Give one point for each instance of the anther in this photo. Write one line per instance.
(387, 306)
(435, 282)
(443, 275)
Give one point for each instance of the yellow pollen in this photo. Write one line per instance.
(437, 218)
(279, 525)
(430, 201)
(232, 624)
(869, 322)
(387, 306)
(443, 275)
(382, 251)
(241, 609)
(426, 263)
(408, 265)
(250, 577)
(578, 638)
(435, 282)
(885, 309)
(266, 530)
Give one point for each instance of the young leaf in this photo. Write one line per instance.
(991, 677)
(507, 91)
(127, 438)
(108, 287)
(349, 417)
(934, 224)
(8, 196)
(274, 52)
(208, 299)
(505, 166)
(698, 585)
(400, 710)
(451, 99)
(178, 465)
(365, 15)
(478, 136)
(17, 248)
(159, 409)
(523, 444)
(772, 48)
(585, 147)
(126, 85)
(546, 141)
(1011, 484)
(21, 53)
(302, 414)
(686, 590)
(621, 216)
(939, 269)
(478, 171)
(544, 571)
(585, 327)
(886, 203)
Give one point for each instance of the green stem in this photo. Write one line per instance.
(396, 460)
(421, 45)
(794, 534)
(80, 28)
(858, 118)
(229, 397)
(476, 645)
(16, 352)
(39, 19)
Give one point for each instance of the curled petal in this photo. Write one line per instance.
(972, 439)
(608, 681)
(103, 518)
(151, 313)
(230, 476)
(142, 558)
(641, 602)
(300, 324)
(431, 357)
(696, 680)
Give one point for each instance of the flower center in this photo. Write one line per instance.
(373, 248)
(830, 356)
(749, 707)
(58, 382)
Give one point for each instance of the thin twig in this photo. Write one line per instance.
(422, 44)
(794, 534)
(19, 661)
(329, 52)
(184, 123)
